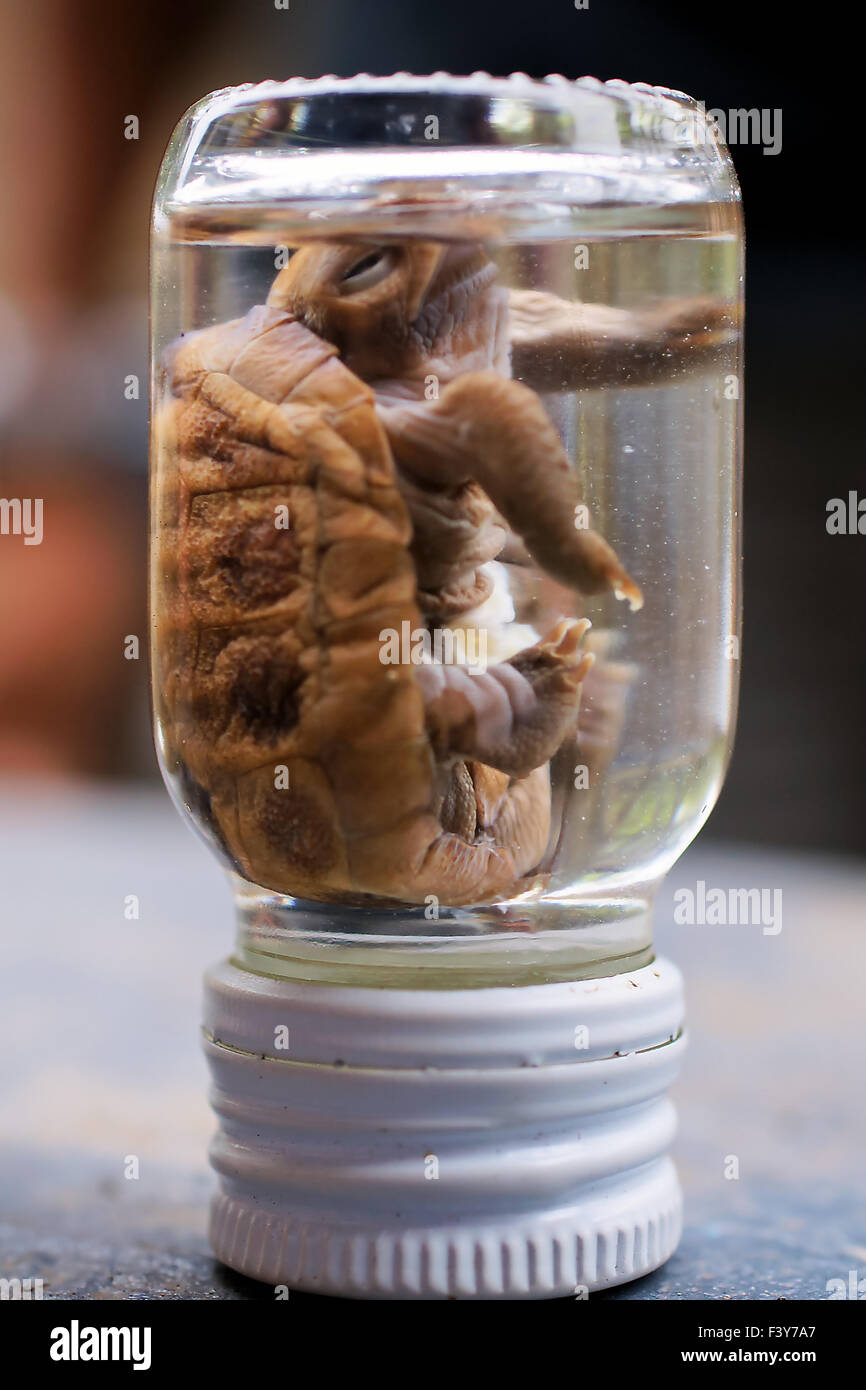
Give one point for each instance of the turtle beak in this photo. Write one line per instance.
(306, 271)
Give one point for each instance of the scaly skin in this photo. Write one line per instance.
(403, 781)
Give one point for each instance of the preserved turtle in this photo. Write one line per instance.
(352, 459)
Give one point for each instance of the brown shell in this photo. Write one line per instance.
(269, 648)
(273, 673)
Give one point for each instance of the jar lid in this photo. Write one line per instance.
(518, 111)
(592, 141)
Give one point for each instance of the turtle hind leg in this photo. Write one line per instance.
(512, 830)
(515, 715)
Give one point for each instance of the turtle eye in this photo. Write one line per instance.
(363, 274)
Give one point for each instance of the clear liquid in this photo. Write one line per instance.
(652, 439)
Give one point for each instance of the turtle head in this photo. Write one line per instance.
(377, 303)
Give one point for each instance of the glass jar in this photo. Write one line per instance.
(445, 462)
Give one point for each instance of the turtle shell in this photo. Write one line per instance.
(283, 553)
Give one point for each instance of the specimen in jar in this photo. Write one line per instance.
(355, 458)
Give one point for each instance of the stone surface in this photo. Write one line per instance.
(100, 1065)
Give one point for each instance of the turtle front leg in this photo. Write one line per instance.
(515, 715)
(494, 430)
(563, 345)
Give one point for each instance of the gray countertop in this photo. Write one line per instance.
(100, 1062)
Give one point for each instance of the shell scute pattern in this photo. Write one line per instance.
(279, 662)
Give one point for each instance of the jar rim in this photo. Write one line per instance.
(583, 114)
(328, 140)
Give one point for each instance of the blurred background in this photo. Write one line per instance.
(73, 273)
(100, 1003)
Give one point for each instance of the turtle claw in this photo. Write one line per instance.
(564, 640)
